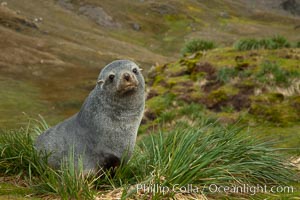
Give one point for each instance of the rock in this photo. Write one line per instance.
(3, 3)
(136, 27)
(292, 6)
(38, 19)
(224, 14)
(66, 4)
(98, 15)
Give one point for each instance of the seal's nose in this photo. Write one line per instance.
(126, 76)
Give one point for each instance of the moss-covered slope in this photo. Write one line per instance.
(255, 86)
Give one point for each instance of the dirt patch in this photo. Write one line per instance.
(242, 99)
(210, 76)
(217, 99)
(149, 115)
(207, 68)
(152, 93)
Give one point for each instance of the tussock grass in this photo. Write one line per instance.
(205, 155)
(269, 73)
(202, 154)
(275, 42)
(225, 74)
(273, 74)
(195, 45)
(19, 157)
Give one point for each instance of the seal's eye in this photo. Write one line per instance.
(135, 70)
(111, 77)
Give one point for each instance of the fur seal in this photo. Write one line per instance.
(104, 130)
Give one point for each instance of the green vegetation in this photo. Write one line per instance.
(18, 154)
(247, 44)
(226, 73)
(195, 45)
(216, 155)
(48, 56)
(19, 158)
(275, 42)
(48, 68)
(257, 89)
(159, 103)
(273, 74)
(225, 80)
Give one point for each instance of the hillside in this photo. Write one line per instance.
(257, 88)
(52, 50)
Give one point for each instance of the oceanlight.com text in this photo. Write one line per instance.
(250, 189)
(214, 188)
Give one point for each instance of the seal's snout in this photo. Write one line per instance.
(126, 76)
(128, 79)
(128, 83)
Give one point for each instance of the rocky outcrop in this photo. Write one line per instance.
(292, 6)
(95, 13)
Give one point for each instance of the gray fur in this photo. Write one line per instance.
(105, 128)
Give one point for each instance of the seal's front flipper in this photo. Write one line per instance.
(111, 161)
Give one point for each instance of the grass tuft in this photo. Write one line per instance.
(280, 42)
(195, 45)
(272, 74)
(275, 42)
(225, 74)
(19, 157)
(201, 154)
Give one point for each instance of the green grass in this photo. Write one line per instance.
(280, 42)
(195, 45)
(275, 42)
(203, 153)
(247, 44)
(216, 155)
(289, 136)
(68, 182)
(17, 97)
(272, 73)
(159, 103)
(225, 74)
(19, 157)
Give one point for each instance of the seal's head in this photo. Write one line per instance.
(121, 78)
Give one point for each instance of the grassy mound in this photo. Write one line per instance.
(258, 86)
(199, 153)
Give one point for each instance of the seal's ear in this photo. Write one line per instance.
(100, 81)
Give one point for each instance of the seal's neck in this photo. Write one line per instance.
(116, 106)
